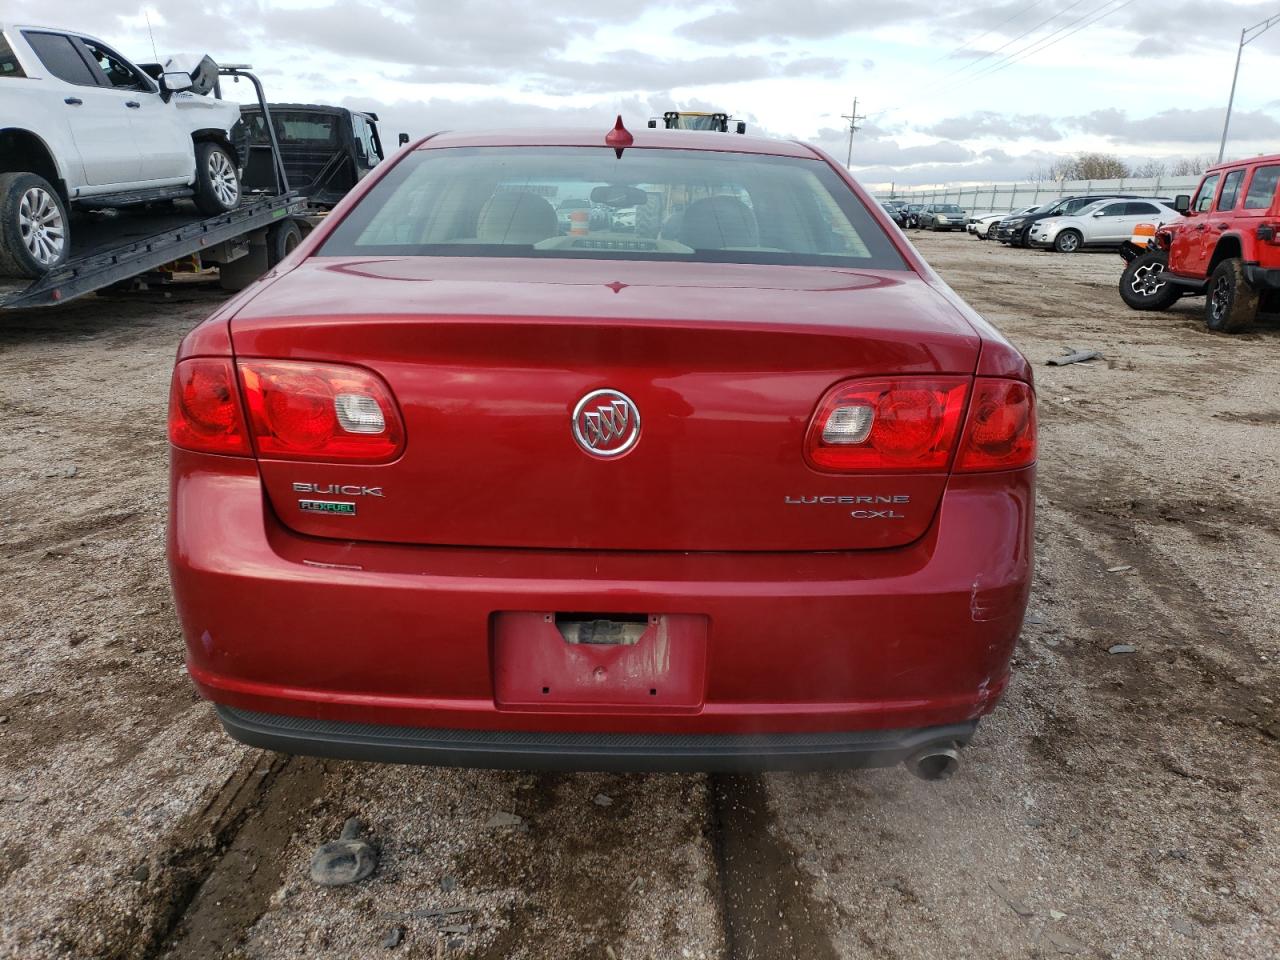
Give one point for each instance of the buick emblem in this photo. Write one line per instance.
(606, 423)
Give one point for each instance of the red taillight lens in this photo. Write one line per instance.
(314, 411)
(1001, 430)
(898, 425)
(204, 408)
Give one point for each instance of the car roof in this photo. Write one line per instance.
(45, 28)
(1271, 158)
(644, 137)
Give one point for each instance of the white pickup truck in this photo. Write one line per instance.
(81, 126)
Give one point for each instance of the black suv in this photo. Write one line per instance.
(1015, 230)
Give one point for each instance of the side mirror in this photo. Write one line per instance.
(742, 126)
(1099, 213)
(403, 139)
(175, 81)
(653, 124)
(1182, 202)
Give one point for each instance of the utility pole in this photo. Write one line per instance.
(1247, 36)
(853, 117)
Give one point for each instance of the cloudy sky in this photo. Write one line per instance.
(952, 91)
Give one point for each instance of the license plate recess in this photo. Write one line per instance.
(547, 660)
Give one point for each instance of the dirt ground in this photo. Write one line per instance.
(1116, 804)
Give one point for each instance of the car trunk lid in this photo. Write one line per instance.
(488, 360)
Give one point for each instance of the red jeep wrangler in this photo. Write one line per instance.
(1227, 248)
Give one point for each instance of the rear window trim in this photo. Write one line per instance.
(890, 258)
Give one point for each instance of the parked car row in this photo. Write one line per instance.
(1065, 225)
(919, 216)
(983, 227)
(1069, 224)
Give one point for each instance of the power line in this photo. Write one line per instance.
(968, 43)
(1049, 40)
(1044, 43)
(1008, 43)
(934, 84)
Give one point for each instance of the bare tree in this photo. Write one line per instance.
(1151, 169)
(1083, 166)
(1190, 166)
(1099, 166)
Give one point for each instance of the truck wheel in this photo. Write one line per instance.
(1068, 241)
(1230, 304)
(217, 182)
(281, 241)
(35, 234)
(1142, 285)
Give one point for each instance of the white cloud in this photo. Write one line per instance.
(1143, 83)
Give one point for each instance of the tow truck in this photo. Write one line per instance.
(694, 120)
(144, 246)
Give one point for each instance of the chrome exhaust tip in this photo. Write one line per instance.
(936, 762)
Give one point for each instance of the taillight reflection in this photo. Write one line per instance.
(311, 411)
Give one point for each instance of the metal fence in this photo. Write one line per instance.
(977, 199)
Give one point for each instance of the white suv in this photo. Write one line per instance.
(1106, 223)
(82, 126)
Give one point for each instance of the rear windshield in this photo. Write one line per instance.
(310, 129)
(585, 202)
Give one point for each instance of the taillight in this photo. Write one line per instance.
(898, 425)
(204, 408)
(1001, 430)
(315, 411)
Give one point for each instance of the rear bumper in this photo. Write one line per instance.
(520, 750)
(284, 625)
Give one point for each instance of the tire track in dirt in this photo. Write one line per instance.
(767, 900)
(224, 897)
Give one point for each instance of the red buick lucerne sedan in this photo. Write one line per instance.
(713, 473)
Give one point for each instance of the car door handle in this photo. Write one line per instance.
(73, 101)
(132, 104)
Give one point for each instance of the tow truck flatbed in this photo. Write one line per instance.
(108, 248)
